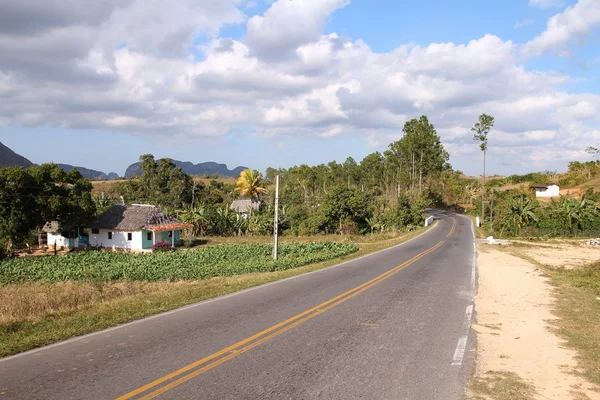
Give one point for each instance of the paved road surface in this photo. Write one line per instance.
(393, 325)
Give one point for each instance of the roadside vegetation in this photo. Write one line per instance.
(516, 212)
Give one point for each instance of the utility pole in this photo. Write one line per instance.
(276, 222)
(492, 208)
(483, 189)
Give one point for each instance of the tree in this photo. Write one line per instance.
(343, 206)
(481, 129)
(250, 184)
(161, 183)
(19, 206)
(418, 154)
(33, 196)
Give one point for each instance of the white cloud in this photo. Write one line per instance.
(575, 24)
(523, 23)
(546, 3)
(131, 69)
(288, 24)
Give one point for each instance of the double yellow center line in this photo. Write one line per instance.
(168, 382)
(453, 228)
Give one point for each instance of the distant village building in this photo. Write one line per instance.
(546, 190)
(135, 227)
(243, 207)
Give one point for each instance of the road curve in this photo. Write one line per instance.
(392, 325)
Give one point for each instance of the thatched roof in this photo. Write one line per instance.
(244, 205)
(135, 217)
(56, 227)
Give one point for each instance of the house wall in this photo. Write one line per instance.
(552, 191)
(61, 241)
(119, 239)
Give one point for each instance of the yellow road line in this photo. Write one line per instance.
(263, 336)
(453, 228)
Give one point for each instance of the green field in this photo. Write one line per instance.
(222, 260)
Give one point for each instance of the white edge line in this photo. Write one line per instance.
(204, 302)
(459, 353)
(468, 316)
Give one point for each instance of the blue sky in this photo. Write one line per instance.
(289, 82)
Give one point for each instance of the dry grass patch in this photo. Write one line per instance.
(500, 385)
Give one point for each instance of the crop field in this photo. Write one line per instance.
(222, 260)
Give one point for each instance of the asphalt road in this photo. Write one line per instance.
(393, 325)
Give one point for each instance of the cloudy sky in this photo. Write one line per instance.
(275, 83)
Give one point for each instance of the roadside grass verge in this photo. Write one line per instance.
(52, 312)
(577, 308)
(500, 385)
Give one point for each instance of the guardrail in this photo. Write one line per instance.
(429, 221)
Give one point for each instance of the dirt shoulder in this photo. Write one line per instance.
(518, 354)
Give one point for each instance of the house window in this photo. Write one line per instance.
(109, 235)
(96, 231)
(148, 235)
(129, 236)
(170, 234)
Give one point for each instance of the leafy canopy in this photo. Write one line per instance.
(481, 129)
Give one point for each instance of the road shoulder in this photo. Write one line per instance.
(518, 354)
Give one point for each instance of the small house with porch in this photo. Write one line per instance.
(546, 190)
(135, 227)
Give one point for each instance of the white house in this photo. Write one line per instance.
(135, 227)
(546, 190)
(61, 235)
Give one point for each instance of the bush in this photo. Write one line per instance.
(161, 246)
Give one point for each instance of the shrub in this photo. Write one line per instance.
(161, 246)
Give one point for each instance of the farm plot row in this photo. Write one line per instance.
(224, 260)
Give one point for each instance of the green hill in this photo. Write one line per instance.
(9, 158)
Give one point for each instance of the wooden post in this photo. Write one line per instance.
(276, 221)
(172, 238)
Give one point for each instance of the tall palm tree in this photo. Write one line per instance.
(250, 184)
(481, 129)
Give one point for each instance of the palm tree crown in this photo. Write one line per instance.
(250, 184)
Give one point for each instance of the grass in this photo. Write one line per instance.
(500, 385)
(577, 307)
(38, 314)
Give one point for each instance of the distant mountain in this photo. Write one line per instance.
(90, 174)
(206, 168)
(9, 158)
